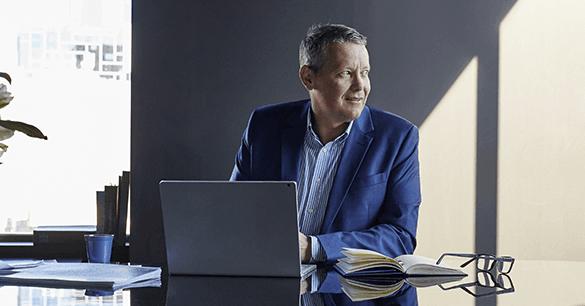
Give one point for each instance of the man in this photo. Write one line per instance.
(356, 167)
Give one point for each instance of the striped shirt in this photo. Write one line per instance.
(319, 165)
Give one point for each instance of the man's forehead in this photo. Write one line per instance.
(332, 47)
(348, 51)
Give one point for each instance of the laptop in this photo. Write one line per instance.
(226, 228)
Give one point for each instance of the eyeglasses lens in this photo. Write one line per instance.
(504, 266)
(485, 280)
(484, 263)
(504, 281)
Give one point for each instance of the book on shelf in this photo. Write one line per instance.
(96, 276)
(366, 262)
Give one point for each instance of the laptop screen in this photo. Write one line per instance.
(231, 228)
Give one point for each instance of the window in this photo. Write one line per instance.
(51, 49)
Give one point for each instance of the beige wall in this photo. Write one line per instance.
(541, 171)
(541, 147)
(541, 154)
(447, 153)
(447, 157)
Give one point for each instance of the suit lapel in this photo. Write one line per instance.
(292, 136)
(354, 151)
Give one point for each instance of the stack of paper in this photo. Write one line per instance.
(79, 275)
(6, 267)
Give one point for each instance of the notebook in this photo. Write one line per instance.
(230, 228)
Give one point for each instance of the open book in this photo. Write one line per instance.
(365, 262)
(366, 288)
(367, 274)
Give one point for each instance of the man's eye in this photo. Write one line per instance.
(365, 72)
(345, 73)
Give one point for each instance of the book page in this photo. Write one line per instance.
(419, 265)
(360, 291)
(358, 259)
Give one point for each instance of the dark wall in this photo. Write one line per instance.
(200, 68)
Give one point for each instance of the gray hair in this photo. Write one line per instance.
(313, 49)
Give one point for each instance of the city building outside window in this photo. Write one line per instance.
(69, 61)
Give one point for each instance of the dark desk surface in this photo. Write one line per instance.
(535, 283)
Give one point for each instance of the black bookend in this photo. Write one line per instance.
(123, 194)
(101, 212)
(111, 197)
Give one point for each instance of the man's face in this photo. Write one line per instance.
(342, 86)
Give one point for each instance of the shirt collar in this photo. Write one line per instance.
(310, 127)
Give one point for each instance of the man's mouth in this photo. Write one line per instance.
(355, 100)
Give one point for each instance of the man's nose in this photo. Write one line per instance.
(358, 83)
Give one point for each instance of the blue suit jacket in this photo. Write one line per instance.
(375, 195)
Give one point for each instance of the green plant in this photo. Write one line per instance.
(7, 127)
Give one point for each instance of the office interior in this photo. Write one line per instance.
(495, 87)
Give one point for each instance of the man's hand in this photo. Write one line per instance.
(305, 244)
(306, 284)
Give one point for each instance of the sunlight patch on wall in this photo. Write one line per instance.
(447, 153)
(447, 157)
(541, 183)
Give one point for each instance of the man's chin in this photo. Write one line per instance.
(355, 112)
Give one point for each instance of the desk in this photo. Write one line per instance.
(535, 283)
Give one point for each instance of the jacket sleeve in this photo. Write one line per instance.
(392, 225)
(243, 162)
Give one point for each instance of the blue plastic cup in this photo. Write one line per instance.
(99, 247)
(98, 293)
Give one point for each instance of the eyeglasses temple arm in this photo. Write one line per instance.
(463, 265)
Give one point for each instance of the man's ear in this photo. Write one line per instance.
(307, 77)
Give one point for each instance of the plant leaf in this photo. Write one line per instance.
(5, 101)
(3, 149)
(6, 76)
(5, 134)
(28, 129)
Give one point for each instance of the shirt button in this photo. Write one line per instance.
(317, 180)
(324, 150)
(310, 210)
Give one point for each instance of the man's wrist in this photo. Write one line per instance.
(317, 252)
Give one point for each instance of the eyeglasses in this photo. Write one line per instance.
(485, 262)
(487, 280)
